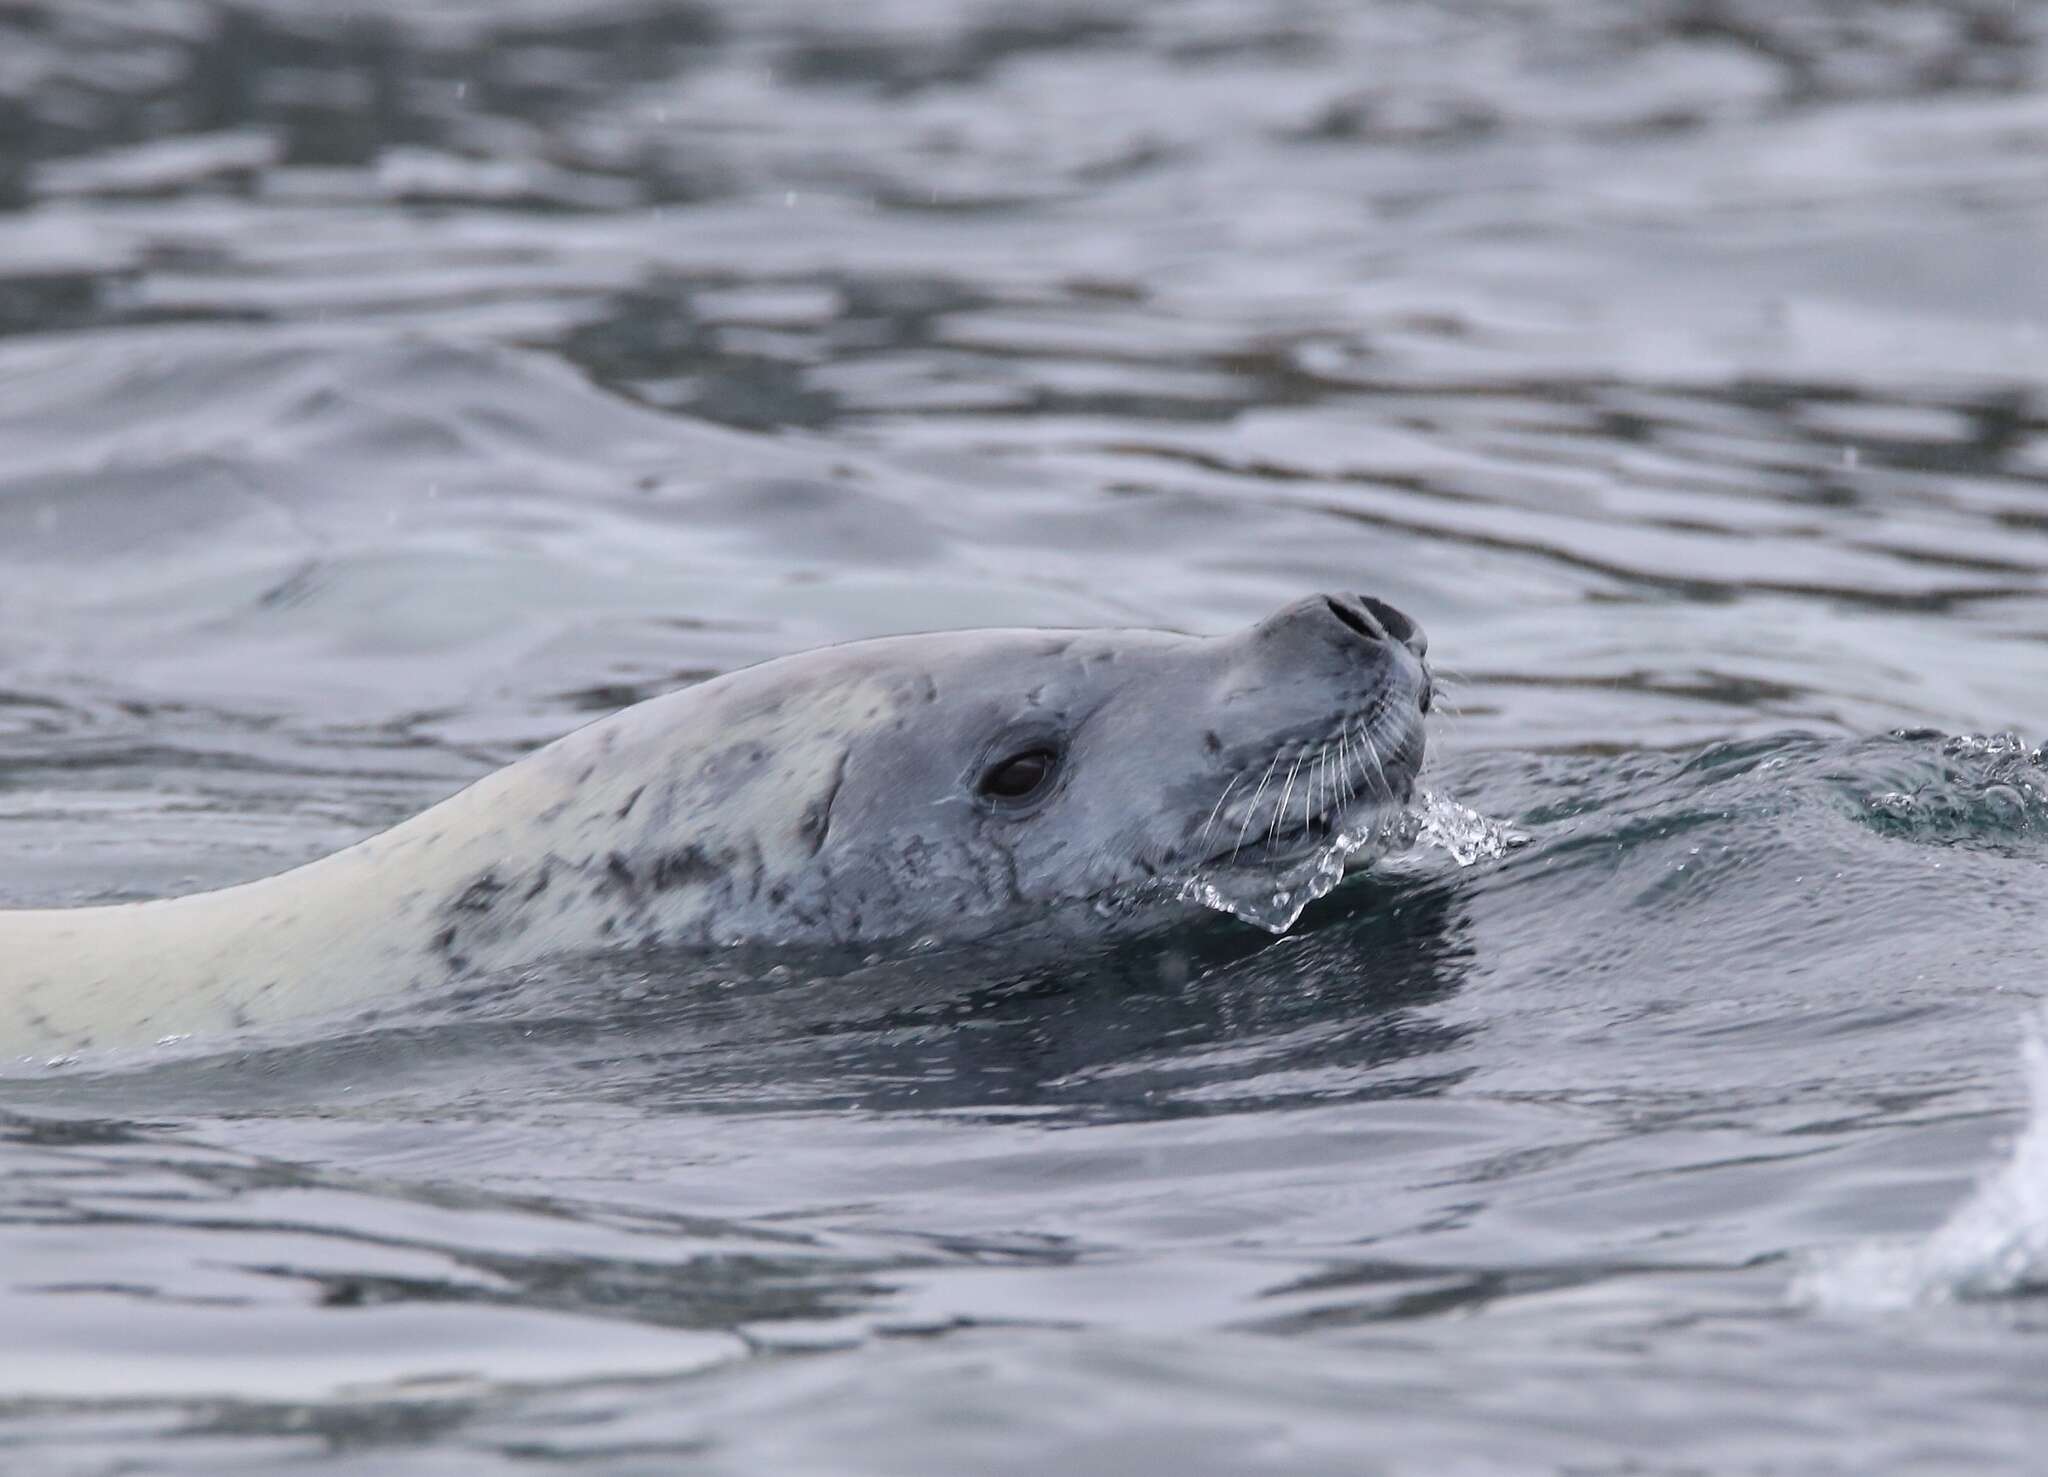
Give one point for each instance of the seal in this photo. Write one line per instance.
(877, 791)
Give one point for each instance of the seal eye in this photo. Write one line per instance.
(1021, 775)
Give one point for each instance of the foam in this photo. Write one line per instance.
(1994, 1245)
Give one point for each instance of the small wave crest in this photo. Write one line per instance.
(1981, 789)
(1275, 898)
(1995, 1244)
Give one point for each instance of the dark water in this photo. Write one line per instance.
(388, 387)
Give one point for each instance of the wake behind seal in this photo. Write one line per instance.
(874, 791)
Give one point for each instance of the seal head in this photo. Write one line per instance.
(1028, 769)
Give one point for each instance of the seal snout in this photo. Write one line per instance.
(1375, 620)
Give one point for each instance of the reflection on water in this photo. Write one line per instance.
(386, 388)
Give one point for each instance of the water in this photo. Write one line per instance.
(386, 388)
(1273, 896)
(1994, 1246)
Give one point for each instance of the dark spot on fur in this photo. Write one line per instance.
(684, 868)
(778, 894)
(615, 867)
(816, 823)
(540, 883)
(631, 801)
(1211, 742)
(479, 895)
(757, 869)
(444, 945)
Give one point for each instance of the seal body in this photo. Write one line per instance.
(879, 790)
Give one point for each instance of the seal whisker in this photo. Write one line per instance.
(1280, 810)
(1216, 810)
(1378, 768)
(1254, 808)
(1315, 785)
(1308, 796)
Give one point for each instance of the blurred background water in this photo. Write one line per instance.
(388, 386)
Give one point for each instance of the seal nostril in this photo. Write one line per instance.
(1355, 618)
(1397, 625)
(1376, 620)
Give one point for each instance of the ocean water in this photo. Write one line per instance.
(388, 387)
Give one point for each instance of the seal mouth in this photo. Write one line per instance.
(1308, 797)
(1284, 846)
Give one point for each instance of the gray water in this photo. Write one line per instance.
(386, 388)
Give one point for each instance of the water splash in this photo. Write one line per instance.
(1467, 836)
(1991, 745)
(1275, 898)
(1995, 1245)
(1984, 790)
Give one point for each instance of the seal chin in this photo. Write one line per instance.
(1293, 847)
(1286, 847)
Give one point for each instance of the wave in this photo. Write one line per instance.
(1994, 1246)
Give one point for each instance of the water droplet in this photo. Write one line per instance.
(1275, 900)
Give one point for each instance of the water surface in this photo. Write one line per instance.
(387, 388)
